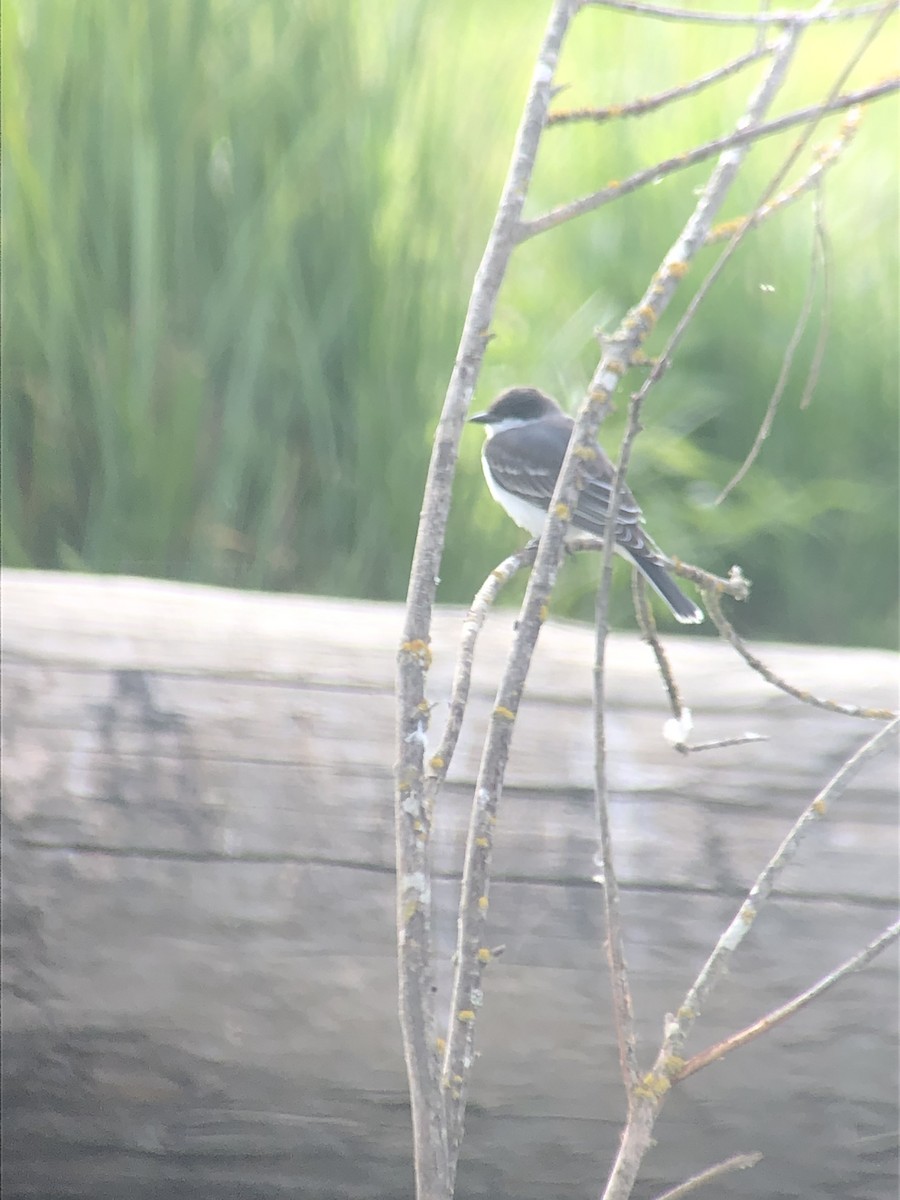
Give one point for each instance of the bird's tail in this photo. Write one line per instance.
(683, 609)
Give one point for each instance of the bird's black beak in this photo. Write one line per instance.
(479, 419)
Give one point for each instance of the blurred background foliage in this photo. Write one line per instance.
(238, 241)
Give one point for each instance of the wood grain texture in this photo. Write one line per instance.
(198, 903)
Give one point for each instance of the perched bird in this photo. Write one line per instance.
(527, 436)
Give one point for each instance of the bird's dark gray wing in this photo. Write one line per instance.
(592, 508)
(526, 462)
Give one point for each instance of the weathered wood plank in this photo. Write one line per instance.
(141, 624)
(212, 1027)
(198, 904)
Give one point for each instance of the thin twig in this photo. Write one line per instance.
(727, 630)
(787, 363)
(622, 1004)
(825, 157)
(739, 1162)
(714, 1053)
(647, 623)
(644, 1099)
(740, 739)
(740, 137)
(769, 416)
(820, 233)
(669, 1062)
(656, 1084)
(439, 763)
(761, 31)
(638, 108)
(736, 585)
(777, 17)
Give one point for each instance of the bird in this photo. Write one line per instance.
(527, 438)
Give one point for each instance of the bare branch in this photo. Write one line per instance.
(647, 623)
(473, 903)
(815, 16)
(637, 108)
(859, 960)
(741, 739)
(439, 763)
(617, 356)
(739, 1162)
(645, 1097)
(741, 137)
(825, 157)
(655, 1085)
(726, 629)
(669, 1064)
(736, 585)
(824, 251)
(781, 383)
(485, 597)
(772, 407)
(623, 1006)
(434, 1161)
(699, 296)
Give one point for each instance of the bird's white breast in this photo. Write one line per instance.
(527, 516)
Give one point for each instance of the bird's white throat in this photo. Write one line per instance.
(506, 423)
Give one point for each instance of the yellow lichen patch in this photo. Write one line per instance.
(440, 1044)
(419, 650)
(483, 903)
(652, 1086)
(484, 955)
(678, 270)
(482, 843)
(506, 713)
(614, 185)
(647, 315)
(562, 511)
(465, 1015)
(585, 453)
(437, 763)
(727, 228)
(673, 1064)
(543, 612)
(409, 909)
(748, 915)
(686, 1013)
(819, 807)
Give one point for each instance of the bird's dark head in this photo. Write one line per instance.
(516, 406)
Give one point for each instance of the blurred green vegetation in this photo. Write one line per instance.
(238, 241)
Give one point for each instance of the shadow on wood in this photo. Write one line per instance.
(198, 905)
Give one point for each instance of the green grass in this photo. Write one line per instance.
(238, 241)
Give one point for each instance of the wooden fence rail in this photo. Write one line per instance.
(198, 903)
